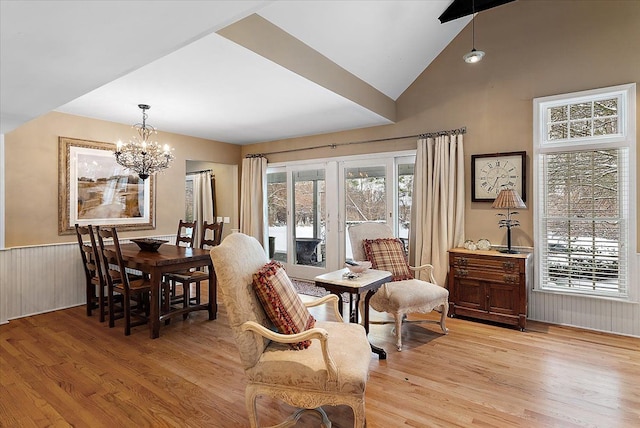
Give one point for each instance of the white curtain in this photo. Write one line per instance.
(438, 202)
(253, 199)
(203, 199)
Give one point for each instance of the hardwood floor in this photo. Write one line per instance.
(66, 369)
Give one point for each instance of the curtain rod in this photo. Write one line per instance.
(198, 172)
(458, 131)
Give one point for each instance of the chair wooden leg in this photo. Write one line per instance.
(90, 296)
(127, 314)
(398, 321)
(198, 293)
(112, 317)
(250, 397)
(102, 305)
(443, 317)
(186, 298)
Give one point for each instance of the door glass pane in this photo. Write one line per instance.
(405, 190)
(365, 197)
(277, 214)
(310, 217)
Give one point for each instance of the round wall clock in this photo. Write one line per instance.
(491, 173)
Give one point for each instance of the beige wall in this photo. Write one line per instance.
(533, 48)
(31, 175)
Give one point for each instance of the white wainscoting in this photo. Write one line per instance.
(41, 279)
(612, 316)
(45, 278)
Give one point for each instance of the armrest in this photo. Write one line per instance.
(427, 267)
(314, 333)
(329, 298)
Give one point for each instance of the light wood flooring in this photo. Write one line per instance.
(66, 369)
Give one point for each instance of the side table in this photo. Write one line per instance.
(369, 281)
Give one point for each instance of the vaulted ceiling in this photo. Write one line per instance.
(233, 71)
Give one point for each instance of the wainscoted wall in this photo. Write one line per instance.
(42, 278)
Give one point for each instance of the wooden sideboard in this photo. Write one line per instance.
(490, 285)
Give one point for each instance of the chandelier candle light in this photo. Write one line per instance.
(140, 155)
(509, 199)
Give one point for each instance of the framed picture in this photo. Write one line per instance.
(94, 189)
(493, 172)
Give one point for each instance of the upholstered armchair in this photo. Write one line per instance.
(404, 294)
(333, 370)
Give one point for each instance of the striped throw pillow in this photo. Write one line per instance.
(281, 303)
(388, 254)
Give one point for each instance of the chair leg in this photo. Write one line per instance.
(112, 304)
(198, 293)
(186, 298)
(359, 420)
(443, 317)
(398, 316)
(127, 314)
(90, 296)
(250, 397)
(102, 304)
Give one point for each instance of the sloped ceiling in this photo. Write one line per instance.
(233, 71)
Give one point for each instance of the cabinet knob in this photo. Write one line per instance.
(463, 261)
(511, 279)
(508, 265)
(462, 272)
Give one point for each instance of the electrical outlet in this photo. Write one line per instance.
(219, 220)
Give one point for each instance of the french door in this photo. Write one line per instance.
(311, 205)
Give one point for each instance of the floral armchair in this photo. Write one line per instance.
(404, 294)
(333, 370)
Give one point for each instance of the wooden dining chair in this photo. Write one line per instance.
(207, 240)
(213, 239)
(92, 271)
(186, 233)
(119, 281)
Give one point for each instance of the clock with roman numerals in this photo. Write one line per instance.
(493, 172)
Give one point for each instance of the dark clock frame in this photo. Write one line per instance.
(523, 168)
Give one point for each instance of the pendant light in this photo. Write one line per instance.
(474, 55)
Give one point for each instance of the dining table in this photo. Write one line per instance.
(170, 258)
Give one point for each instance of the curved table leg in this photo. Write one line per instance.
(382, 354)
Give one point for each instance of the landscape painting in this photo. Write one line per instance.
(94, 189)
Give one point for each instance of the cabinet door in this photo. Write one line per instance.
(503, 298)
(470, 293)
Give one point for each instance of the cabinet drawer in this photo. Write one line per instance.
(486, 264)
(496, 275)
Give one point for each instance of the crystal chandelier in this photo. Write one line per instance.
(140, 155)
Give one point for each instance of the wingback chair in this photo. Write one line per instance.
(400, 296)
(333, 370)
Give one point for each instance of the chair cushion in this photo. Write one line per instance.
(409, 296)
(281, 302)
(388, 254)
(305, 369)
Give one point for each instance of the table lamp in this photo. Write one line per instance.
(509, 199)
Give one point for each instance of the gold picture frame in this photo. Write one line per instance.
(94, 189)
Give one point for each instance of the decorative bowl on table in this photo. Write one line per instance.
(359, 267)
(149, 244)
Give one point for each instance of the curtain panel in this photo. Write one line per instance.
(253, 199)
(438, 207)
(203, 200)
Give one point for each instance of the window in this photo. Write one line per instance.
(190, 202)
(585, 219)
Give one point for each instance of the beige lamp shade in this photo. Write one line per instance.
(508, 198)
